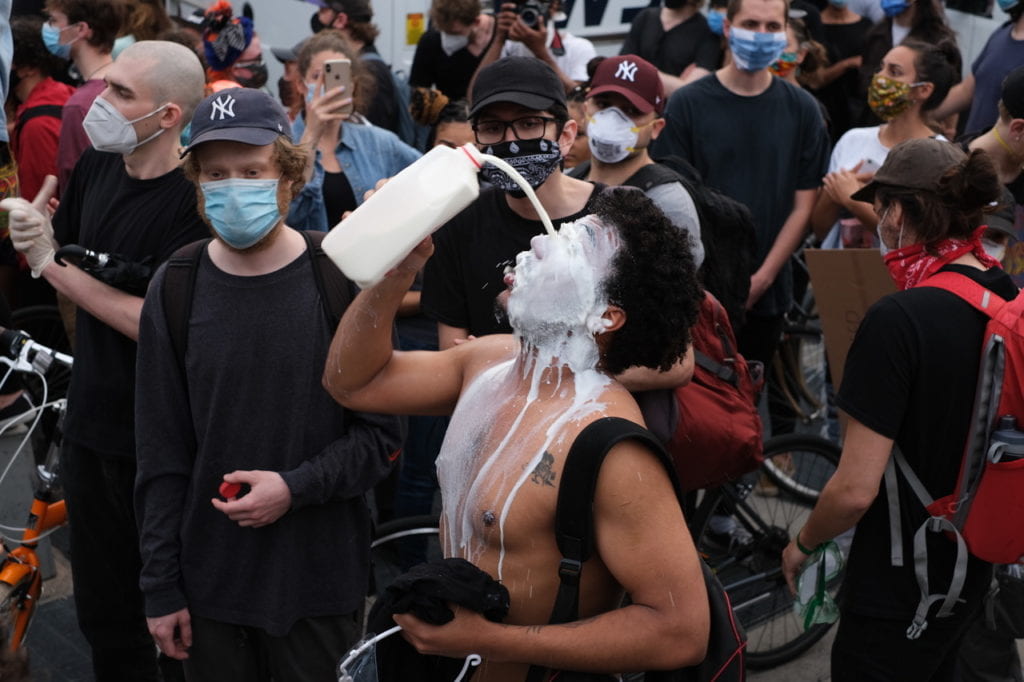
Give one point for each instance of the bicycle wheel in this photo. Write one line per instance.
(399, 545)
(16, 607)
(771, 505)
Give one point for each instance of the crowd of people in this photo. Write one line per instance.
(240, 415)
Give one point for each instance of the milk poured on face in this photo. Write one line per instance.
(500, 432)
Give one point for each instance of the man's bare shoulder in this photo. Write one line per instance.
(480, 354)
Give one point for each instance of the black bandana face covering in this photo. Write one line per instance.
(534, 159)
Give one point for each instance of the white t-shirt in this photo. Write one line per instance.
(856, 145)
(578, 51)
(899, 33)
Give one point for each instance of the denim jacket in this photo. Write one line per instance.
(366, 154)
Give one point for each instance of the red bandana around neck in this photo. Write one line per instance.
(911, 265)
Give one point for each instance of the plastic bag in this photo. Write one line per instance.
(814, 604)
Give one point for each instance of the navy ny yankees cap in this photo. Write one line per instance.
(238, 115)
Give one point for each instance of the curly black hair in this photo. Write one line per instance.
(653, 280)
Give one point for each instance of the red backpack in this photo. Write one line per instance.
(718, 435)
(983, 513)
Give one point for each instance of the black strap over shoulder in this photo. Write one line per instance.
(574, 513)
(336, 291)
(574, 533)
(652, 175)
(179, 283)
(53, 110)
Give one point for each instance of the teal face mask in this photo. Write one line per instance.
(241, 211)
(51, 39)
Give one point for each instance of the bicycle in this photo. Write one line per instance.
(20, 577)
(770, 504)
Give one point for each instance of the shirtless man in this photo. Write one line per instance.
(613, 290)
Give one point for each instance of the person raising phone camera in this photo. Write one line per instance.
(526, 28)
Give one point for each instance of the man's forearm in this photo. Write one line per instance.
(116, 308)
(362, 346)
(629, 639)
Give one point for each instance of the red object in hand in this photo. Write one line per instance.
(229, 490)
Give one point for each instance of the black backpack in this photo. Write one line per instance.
(574, 533)
(726, 231)
(336, 291)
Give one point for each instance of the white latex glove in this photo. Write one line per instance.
(31, 230)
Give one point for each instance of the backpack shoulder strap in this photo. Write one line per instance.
(52, 110)
(574, 513)
(652, 175)
(179, 286)
(982, 299)
(335, 289)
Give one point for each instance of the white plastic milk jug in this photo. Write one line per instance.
(413, 204)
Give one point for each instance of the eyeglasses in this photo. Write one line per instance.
(525, 128)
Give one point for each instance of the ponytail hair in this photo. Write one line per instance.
(955, 208)
(935, 64)
(815, 58)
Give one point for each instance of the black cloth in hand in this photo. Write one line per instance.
(426, 592)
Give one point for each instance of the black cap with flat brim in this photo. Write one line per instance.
(241, 115)
(526, 81)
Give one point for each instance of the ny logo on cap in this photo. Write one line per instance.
(626, 71)
(225, 106)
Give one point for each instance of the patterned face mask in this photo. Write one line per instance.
(784, 65)
(534, 159)
(889, 98)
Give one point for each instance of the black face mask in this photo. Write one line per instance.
(535, 160)
(674, 4)
(258, 78)
(315, 23)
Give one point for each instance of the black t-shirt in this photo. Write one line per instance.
(105, 210)
(910, 375)
(465, 274)
(689, 42)
(431, 67)
(760, 165)
(841, 96)
(338, 196)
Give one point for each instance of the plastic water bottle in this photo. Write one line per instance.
(1006, 443)
(413, 204)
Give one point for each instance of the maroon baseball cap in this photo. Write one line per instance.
(634, 78)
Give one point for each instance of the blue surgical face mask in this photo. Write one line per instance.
(51, 39)
(241, 211)
(1007, 5)
(753, 51)
(837, 3)
(715, 21)
(894, 8)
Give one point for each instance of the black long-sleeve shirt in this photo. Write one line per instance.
(252, 400)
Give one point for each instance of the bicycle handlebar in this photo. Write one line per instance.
(26, 355)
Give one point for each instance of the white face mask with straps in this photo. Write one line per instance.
(453, 42)
(881, 242)
(110, 131)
